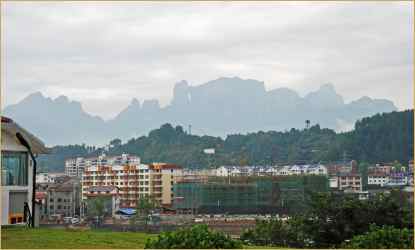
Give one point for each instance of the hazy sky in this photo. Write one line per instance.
(104, 54)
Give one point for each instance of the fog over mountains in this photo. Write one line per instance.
(219, 107)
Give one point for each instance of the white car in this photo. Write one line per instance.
(67, 219)
(74, 220)
(198, 219)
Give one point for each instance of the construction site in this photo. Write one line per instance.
(281, 195)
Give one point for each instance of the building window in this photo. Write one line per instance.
(14, 169)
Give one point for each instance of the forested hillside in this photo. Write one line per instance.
(381, 138)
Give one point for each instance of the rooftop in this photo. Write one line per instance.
(8, 126)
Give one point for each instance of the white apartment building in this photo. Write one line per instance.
(271, 170)
(317, 169)
(223, 171)
(47, 177)
(75, 167)
(377, 179)
(284, 170)
(134, 181)
(334, 182)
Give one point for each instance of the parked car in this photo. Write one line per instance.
(74, 220)
(198, 220)
(67, 219)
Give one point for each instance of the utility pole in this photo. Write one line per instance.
(73, 200)
(344, 157)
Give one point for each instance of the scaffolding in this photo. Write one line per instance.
(244, 195)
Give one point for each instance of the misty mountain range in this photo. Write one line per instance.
(219, 107)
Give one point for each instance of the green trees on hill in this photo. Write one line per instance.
(380, 138)
(387, 137)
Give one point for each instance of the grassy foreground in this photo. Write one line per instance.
(61, 238)
(45, 238)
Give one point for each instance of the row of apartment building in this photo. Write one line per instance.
(390, 175)
(225, 171)
(341, 175)
(127, 184)
(76, 166)
(126, 176)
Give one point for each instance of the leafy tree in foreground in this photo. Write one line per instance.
(271, 232)
(276, 232)
(383, 237)
(196, 237)
(96, 207)
(144, 207)
(332, 219)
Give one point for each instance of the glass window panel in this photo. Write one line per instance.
(14, 170)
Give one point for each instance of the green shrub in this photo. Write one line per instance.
(275, 232)
(198, 236)
(272, 232)
(383, 237)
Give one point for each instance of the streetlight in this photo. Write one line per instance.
(23, 141)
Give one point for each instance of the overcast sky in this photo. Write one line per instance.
(104, 54)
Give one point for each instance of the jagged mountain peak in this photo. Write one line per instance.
(134, 102)
(36, 94)
(366, 102)
(182, 83)
(181, 93)
(61, 99)
(327, 87)
(284, 92)
(222, 106)
(326, 95)
(35, 97)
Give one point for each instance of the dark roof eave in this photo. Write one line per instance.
(12, 128)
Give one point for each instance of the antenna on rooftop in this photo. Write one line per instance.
(307, 124)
